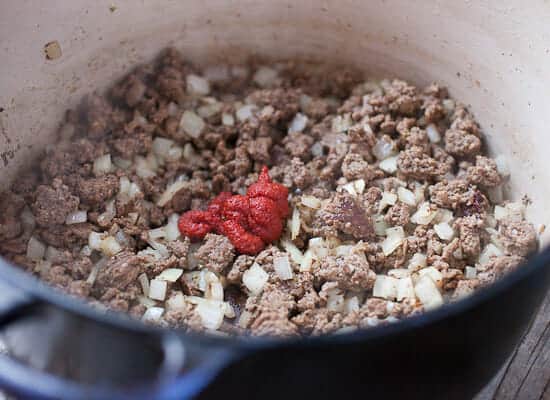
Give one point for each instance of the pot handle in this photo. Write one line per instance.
(15, 304)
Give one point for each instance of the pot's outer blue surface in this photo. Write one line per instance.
(449, 353)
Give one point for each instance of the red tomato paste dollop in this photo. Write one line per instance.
(249, 222)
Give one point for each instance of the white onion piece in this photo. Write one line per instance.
(109, 246)
(406, 196)
(307, 261)
(122, 163)
(102, 165)
(425, 214)
(394, 239)
(265, 77)
(255, 278)
(35, 249)
(317, 149)
(311, 202)
(470, 273)
(385, 287)
(197, 85)
(246, 112)
(95, 270)
(209, 109)
(433, 133)
(383, 149)
(318, 247)
(294, 252)
(94, 240)
(488, 253)
(227, 119)
(144, 282)
(282, 267)
(444, 215)
(444, 231)
(405, 289)
(389, 165)
(152, 314)
(211, 313)
(192, 124)
(146, 301)
(298, 123)
(380, 225)
(433, 273)
(157, 289)
(27, 219)
(143, 168)
(107, 216)
(176, 302)
(171, 229)
(170, 191)
(214, 288)
(399, 273)
(76, 217)
(351, 304)
(335, 300)
(417, 261)
(388, 199)
(341, 123)
(161, 146)
(295, 224)
(170, 274)
(157, 233)
(427, 292)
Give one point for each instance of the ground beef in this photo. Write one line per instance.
(414, 163)
(461, 144)
(96, 191)
(351, 272)
(336, 169)
(343, 213)
(53, 204)
(216, 253)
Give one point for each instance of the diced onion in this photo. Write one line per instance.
(405, 289)
(427, 292)
(176, 302)
(433, 273)
(209, 109)
(341, 123)
(298, 123)
(385, 287)
(470, 273)
(383, 149)
(157, 233)
(394, 239)
(307, 261)
(102, 165)
(143, 168)
(146, 301)
(311, 202)
(255, 278)
(76, 217)
(94, 240)
(294, 252)
(388, 199)
(152, 314)
(227, 119)
(318, 248)
(246, 112)
(191, 124)
(444, 215)
(197, 85)
(161, 146)
(433, 133)
(488, 253)
(265, 77)
(389, 165)
(144, 282)
(157, 289)
(109, 246)
(171, 229)
(444, 231)
(406, 196)
(170, 274)
(417, 261)
(351, 304)
(380, 225)
(399, 273)
(122, 163)
(425, 214)
(170, 191)
(211, 313)
(95, 270)
(214, 287)
(295, 224)
(282, 267)
(107, 216)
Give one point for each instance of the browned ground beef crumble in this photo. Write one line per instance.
(394, 204)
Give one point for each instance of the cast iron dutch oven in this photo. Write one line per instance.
(62, 348)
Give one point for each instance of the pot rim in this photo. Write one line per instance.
(44, 293)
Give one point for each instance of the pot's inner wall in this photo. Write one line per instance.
(485, 54)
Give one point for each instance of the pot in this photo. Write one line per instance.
(493, 55)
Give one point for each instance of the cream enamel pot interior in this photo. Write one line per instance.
(493, 56)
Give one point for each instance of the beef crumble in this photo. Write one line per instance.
(389, 194)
